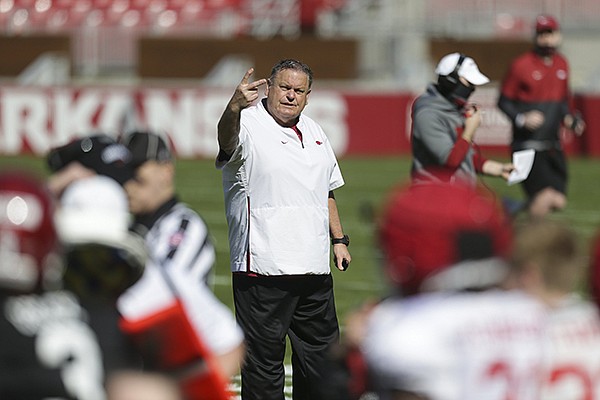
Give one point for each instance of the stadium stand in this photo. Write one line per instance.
(395, 36)
(24, 16)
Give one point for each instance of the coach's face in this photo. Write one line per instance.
(287, 96)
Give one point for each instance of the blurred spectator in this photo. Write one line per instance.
(444, 124)
(573, 356)
(535, 97)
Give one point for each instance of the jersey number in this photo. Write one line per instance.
(72, 346)
(575, 373)
(516, 387)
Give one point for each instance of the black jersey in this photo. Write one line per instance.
(53, 347)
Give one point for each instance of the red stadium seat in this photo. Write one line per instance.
(163, 15)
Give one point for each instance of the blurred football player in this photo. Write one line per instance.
(171, 313)
(573, 354)
(103, 258)
(464, 323)
(53, 343)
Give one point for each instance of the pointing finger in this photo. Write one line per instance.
(247, 76)
(257, 83)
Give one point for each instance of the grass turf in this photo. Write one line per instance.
(368, 181)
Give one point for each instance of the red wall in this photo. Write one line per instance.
(378, 123)
(589, 143)
(35, 119)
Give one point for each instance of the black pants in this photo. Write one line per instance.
(269, 308)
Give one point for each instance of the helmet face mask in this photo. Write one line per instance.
(29, 247)
(104, 270)
(102, 257)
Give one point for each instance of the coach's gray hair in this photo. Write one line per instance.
(291, 64)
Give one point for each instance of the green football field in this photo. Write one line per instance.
(368, 181)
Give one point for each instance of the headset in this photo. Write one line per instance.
(453, 76)
(451, 87)
(447, 83)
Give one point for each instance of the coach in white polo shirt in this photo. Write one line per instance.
(279, 173)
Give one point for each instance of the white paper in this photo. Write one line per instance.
(522, 160)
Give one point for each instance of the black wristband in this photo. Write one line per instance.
(343, 240)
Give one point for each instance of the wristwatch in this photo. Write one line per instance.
(343, 240)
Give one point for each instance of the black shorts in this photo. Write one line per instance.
(549, 170)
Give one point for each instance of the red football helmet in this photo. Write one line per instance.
(427, 228)
(29, 247)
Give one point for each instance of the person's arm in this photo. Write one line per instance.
(491, 167)
(508, 107)
(509, 92)
(463, 143)
(531, 120)
(340, 251)
(458, 153)
(496, 168)
(58, 181)
(187, 264)
(228, 127)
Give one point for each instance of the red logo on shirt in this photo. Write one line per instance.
(319, 143)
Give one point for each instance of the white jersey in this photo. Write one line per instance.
(180, 261)
(276, 196)
(458, 346)
(573, 363)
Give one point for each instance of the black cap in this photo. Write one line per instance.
(146, 146)
(100, 153)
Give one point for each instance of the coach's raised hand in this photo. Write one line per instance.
(246, 92)
(228, 128)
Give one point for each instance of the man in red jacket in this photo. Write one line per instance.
(535, 97)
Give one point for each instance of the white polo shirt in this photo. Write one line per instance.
(276, 196)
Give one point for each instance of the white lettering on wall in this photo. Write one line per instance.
(24, 116)
(92, 111)
(173, 115)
